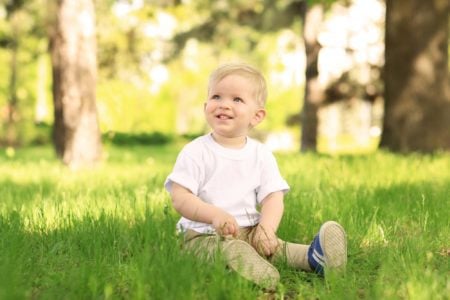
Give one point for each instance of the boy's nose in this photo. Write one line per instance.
(225, 103)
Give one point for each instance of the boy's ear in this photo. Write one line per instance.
(260, 114)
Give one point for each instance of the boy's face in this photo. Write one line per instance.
(232, 109)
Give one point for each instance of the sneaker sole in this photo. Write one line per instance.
(334, 245)
(243, 259)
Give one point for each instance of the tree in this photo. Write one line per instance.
(11, 132)
(21, 36)
(11, 41)
(73, 53)
(314, 94)
(417, 97)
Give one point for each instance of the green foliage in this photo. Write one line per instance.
(21, 28)
(129, 98)
(126, 139)
(110, 232)
(325, 3)
(282, 103)
(201, 41)
(25, 128)
(125, 107)
(4, 75)
(132, 100)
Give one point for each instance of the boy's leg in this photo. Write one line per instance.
(328, 250)
(204, 246)
(295, 255)
(238, 254)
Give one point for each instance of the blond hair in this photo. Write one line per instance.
(245, 70)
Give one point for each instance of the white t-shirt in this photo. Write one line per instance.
(236, 180)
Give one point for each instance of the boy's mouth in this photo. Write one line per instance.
(223, 117)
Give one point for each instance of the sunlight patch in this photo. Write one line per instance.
(374, 237)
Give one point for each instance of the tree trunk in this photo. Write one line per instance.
(417, 97)
(314, 93)
(73, 51)
(11, 137)
(11, 130)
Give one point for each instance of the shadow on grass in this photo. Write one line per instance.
(395, 232)
(106, 256)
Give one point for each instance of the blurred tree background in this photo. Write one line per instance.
(324, 62)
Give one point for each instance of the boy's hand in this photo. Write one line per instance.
(225, 224)
(265, 241)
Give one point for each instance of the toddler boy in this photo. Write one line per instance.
(229, 191)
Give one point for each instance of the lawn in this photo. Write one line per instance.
(109, 233)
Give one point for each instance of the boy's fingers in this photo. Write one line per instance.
(232, 229)
(234, 232)
(229, 227)
(226, 231)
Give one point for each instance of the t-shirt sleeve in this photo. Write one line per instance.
(271, 179)
(185, 172)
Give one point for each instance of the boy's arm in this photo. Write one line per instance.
(265, 240)
(272, 211)
(193, 208)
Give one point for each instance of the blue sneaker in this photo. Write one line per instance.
(328, 249)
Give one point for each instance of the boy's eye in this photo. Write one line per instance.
(215, 97)
(237, 99)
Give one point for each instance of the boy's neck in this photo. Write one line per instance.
(230, 142)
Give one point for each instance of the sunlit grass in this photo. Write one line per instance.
(347, 144)
(110, 232)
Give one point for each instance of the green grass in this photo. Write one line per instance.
(109, 233)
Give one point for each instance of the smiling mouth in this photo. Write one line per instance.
(223, 117)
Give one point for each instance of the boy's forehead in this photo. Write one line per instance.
(238, 81)
(218, 80)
